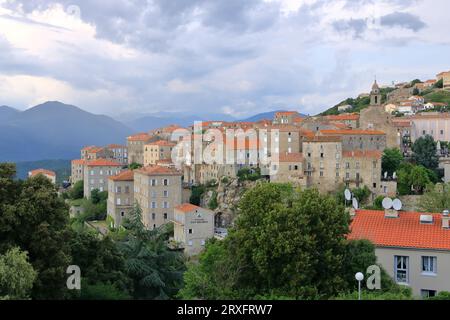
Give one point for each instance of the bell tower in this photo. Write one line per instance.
(375, 95)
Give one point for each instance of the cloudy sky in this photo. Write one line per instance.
(238, 57)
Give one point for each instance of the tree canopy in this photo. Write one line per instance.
(425, 152)
(392, 158)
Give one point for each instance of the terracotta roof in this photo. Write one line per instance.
(352, 132)
(79, 162)
(116, 146)
(323, 139)
(42, 171)
(162, 143)
(344, 117)
(102, 163)
(187, 207)
(88, 148)
(431, 81)
(362, 154)
(139, 137)
(290, 157)
(158, 171)
(127, 175)
(404, 232)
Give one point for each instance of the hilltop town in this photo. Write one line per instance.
(367, 155)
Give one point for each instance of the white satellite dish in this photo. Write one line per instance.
(355, 203)
(397, 204)
(348, 195)
(387, 203)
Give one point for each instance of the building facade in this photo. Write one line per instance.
(96, 174)
(77, 170)
(193, 226)
(51, 175)
(156, 151)
(120, 196)
(157, 190)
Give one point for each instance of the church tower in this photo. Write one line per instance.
(375, 95)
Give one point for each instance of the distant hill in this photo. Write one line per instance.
(60, 167)
(263, 116)
(54, 130)
(6, 113)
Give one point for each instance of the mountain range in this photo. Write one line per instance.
(54, 130)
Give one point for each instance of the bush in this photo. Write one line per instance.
(77, 191)
(196, 196)
(247, 174)
(213, 204)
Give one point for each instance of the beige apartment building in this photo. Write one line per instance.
(118, 153)
(51, 175)
(94, 153)
(289, 169)
(414, 248)
(157, 190)
(357, 139)
(434, 124)
(156, 151)
(193, 225)
(96, 174)
(135, 146)
(77, 170)
(286, 117)
(323, 162)
(120, 196)
(362, 168)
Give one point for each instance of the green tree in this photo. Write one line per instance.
(272, 218)
(156, 272)
(102, 291)
(436, 198)
(100, 260)
(419, 178)
(77, 191)
(213, 204)
(425, 152)
(443, 295)
(16, 275)
(439, 84)
(196, 195)
(35, 219)
(392, 158)
(362, 194)
(134, 166)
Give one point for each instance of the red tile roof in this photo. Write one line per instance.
(102, 163)
(116, 146)
(187, 207)
(162, 143)
(159, 171)
(127, 175)
(285, 113)
(79, 162)
(404, 232)
(42, 171)
(139, 137)
(362, 154)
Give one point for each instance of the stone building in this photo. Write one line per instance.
(118, 153)
(96, 174)
(135, 146)
(157, 190)
(357, 139)
(286, 117)
(193, 225)
(156, 151)
(289, 169)
(77, 170)
(120, 196)
(434, 124)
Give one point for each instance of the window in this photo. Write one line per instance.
(165, 216)
(165, 205)
(425, 293)
(153, 205)
(190, 243)
(165, 182)
(122, 214)
(442, 132)
(203, 242)
(429, 265)
(190, 231)
(118, 201)
(153, 216)
(401, 269)
(165, 194)
(321, 173)
(153, 182)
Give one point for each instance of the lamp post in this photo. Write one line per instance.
(359, 277)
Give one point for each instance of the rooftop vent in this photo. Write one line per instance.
(446, 219)
(426, 219)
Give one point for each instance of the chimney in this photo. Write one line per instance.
(446, 219)
(391, 213)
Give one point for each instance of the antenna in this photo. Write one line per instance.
(397, 204)
(387, 203)
(355, 203)
(348, 195)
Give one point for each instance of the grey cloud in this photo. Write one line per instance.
(356, 27)
(404, 20)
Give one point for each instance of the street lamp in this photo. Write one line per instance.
(359, 277)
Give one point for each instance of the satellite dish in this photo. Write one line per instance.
(355, 203)
(397, 204)
(387, 203)
(348, 195)
(385, 175)
(395, 175)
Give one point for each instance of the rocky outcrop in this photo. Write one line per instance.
(228, 194)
